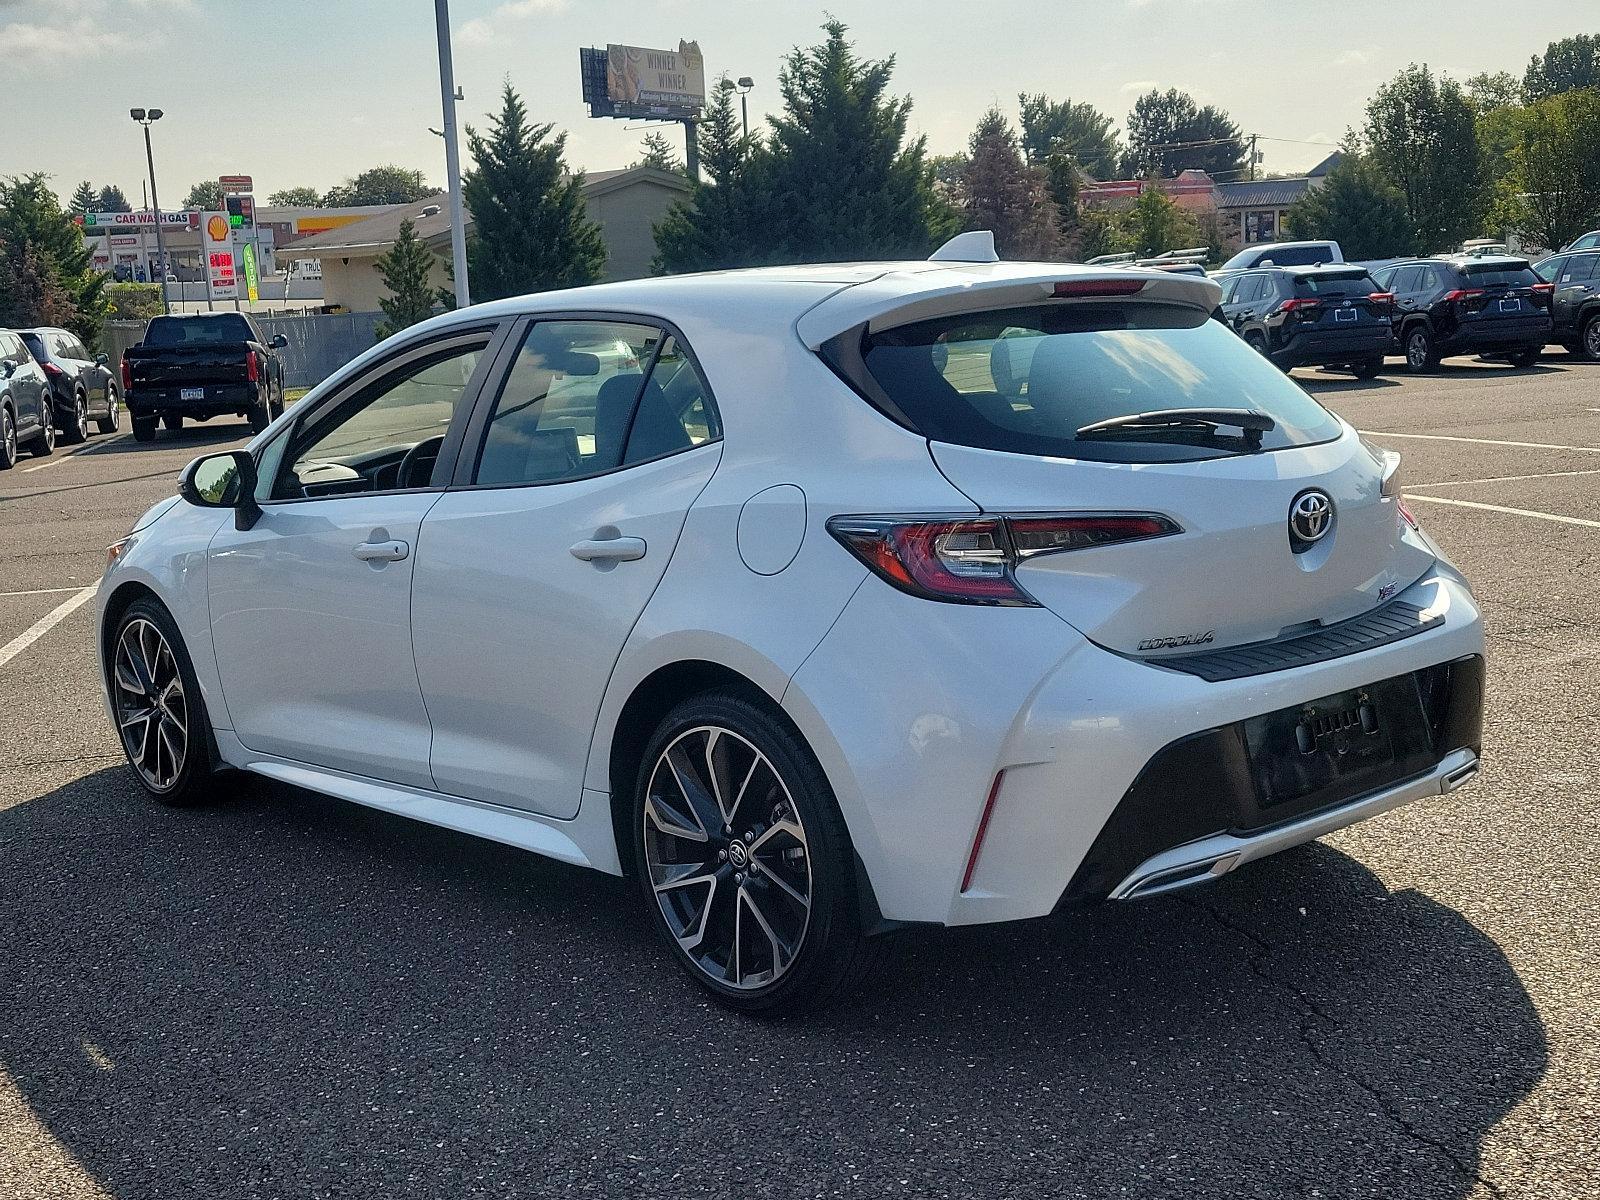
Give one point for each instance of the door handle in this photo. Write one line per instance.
(617, 549)
(382, 551)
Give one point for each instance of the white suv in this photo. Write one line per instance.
(854, 596)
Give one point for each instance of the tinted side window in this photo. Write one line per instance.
(37, 344)
(675, 411)
(1549, 269)
(564, 409)
(1580, 267)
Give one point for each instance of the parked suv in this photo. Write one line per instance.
(1574, 301)
(1311, 316)
(1285, 254)
(26, 416)
(1449, 306)
(1589, 241)
(82, 385)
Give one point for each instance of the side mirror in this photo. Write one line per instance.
(102, 360)
(226, 480)
(278, 341)
(7, 368)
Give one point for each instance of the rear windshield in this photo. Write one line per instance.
(1027, 381)
(1355, 282)
(186, 331)
(1500, 273)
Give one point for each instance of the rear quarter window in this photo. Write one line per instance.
(1026, 381)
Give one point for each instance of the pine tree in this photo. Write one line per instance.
(406, 269)
(30, 292)
(530, 231)
(112, 200)
(31, 219)
(1004, 194)
(658, 153)
(843, 180)
(83, 199)
(1358, 208)
(718, 226)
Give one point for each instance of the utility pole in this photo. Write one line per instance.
(1253, 137)
(452, 155)
(146, 118)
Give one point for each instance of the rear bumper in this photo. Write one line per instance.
(1317, 347)
(216, 399)
(919, 712)
(1473, 337)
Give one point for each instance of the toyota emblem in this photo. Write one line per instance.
(1310, 518)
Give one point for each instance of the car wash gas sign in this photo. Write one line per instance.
(222, 280)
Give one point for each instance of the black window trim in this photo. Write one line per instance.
(461, 337)
(476, 431)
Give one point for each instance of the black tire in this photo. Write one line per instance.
(43, 444)
(191, 782)
(1421, 354)
(173, 422)
(260, 414)
(276, 408)
(827, 955)
(8, 437)
(144, 428)
(1257, 343)
(1589, 339)
(1526, 356)
(113, 417)
(1368, 368)
(76, 426)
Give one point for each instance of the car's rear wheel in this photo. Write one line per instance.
(173, 422)
(161, 717)
(113, 417)
(1589, 343)
(1368, 368)
(260, 414)
(1257, 343)
(77, 426)
(1420, 353)
(8, 438)
(743, 857)
(44, 443)
(1525, 357)
(144, 429)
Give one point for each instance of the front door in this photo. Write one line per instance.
(532, 573)
(310, 608)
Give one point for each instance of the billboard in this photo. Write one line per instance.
(641, 82)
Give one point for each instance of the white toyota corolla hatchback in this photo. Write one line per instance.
(820, 600)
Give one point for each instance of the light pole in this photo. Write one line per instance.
(452, 154)
(745, 84)
(146, 119)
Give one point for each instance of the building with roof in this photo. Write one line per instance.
(1193, 191)
(626, 204)
(1257, 210)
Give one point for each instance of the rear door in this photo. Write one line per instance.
(577, 475)
(1574, 286)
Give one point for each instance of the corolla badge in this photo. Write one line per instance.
(1182, 639)
(1310, 518)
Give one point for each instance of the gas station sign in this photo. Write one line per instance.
(216, 239)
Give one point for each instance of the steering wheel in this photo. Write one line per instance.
(419, 460)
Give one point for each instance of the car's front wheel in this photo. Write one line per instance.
(161, 717)
(743, 857)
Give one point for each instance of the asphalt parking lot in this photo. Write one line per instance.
(285, 995)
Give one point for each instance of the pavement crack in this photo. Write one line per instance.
(1310, 1015)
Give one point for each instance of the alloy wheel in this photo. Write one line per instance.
(728, 857)
(80, 418)
(1417, 350)
(8, 436)
(1591, 338)
(152, 710)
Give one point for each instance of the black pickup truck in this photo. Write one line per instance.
(201, 366)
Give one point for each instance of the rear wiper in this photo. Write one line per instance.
(1247, 419)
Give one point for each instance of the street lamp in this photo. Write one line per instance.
(146, 118)
(745, 84)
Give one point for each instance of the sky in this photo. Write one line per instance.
(308, 92)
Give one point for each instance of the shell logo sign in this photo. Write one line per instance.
(222, 280)
(217, 227)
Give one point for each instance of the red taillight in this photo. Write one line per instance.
(1407, 515)
(127, 378)
(973, 560)
(1098, 287)
(1384, 299)
(1543, 293)
(1463, 294)
(52, 370)
(1297, 304)
(252, 369)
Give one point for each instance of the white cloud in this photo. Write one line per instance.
(1138, 85)
(482, 31)
(1352, 58)
(44, 30)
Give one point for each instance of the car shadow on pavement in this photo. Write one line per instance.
(198, 436)
(284, 994)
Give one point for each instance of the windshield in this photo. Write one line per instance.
(1501, 274)
(207, 330)
(1027, 380)
(1335, 283)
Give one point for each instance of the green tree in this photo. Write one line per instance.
(1004, 194)
(111, 200)
(1071, 127)
(388, 184)
(83, 199)
(658, 153)
(406, 270)
(1168, 133)
(205, 195)
(133, 301)
(1356, 207)
(1155, 224)
(1565, 66)
(42, 240)
(1421, 134)
(842, 179)
(719, 224)
(1062, 181)
(30, 292)
(296, 197)
(530, 229)
(1551, 190)
(1493, 89)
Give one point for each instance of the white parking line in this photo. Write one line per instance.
(1505, 478)
(1499, 508)
(1445, 437)
(71, 454)
(41, 592)
(44, 625)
